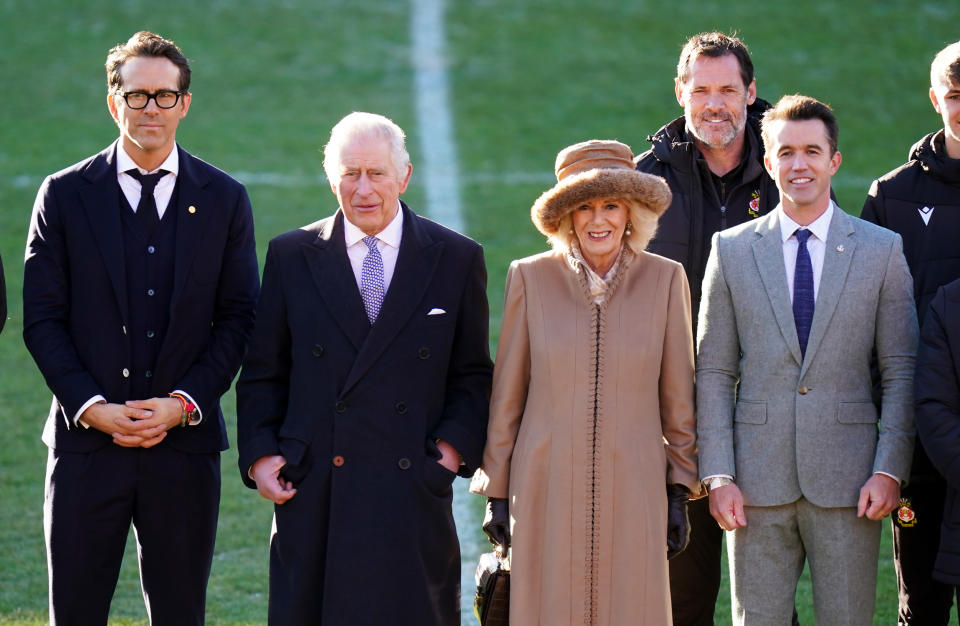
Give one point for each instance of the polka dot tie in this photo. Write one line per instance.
(371, 279)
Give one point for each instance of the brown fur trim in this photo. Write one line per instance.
(555, 203)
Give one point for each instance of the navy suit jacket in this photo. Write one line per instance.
(75, 301)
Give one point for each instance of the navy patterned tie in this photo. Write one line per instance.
(147, 207)
(371, 279)
(803, 300)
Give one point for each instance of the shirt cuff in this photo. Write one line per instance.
(707, 478)
(194, 403)
(86, 405)
(891, 476)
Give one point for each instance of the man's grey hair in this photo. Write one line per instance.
(945, 69)
(359, 125)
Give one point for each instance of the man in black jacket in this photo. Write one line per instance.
(920, 200)
(712, 158)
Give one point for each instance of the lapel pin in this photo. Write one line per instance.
(839, 248)
(191, 209)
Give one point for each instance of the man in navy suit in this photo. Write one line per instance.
(140, 283)
(365, 392)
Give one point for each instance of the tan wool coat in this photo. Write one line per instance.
(592, 415)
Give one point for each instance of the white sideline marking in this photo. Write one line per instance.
(441, 184)
(434, 121)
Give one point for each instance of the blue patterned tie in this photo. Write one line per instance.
(803, 300)
(371, 279)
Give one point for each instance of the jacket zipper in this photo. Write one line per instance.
(723, 205)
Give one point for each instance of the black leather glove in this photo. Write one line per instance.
(496, 522)
(678, 522)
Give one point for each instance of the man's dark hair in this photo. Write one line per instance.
(715, 44)
(798, 108)
(145, 44)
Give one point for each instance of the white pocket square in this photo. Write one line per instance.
(437, 312)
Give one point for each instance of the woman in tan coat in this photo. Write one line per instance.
(592, 418)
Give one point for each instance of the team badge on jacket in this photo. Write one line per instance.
(926, 212)
(754, 209)
(906, 516)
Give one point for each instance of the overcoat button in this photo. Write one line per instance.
(338, 461)
(126, 373)
(401, 407)
(318, 350)
(424, 353)
(340, 406)
(803, 390)
(404, 463)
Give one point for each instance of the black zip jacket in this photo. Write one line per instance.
(920, 200)
(699, 207)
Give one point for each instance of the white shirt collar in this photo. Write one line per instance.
(125, 162)
(390, 235)
(819, 227)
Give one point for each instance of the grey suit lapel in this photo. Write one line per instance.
(768, 253)
(840, 246)
(416, 263)
(101, 201)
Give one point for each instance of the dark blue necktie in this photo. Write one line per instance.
(147, 207)
(803, 299)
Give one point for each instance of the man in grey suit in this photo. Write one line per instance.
(794, 304)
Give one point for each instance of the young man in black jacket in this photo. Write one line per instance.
(920, 200)
(712, 158)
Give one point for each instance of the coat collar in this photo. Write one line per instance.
(330, 266)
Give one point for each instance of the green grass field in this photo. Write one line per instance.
(526, 78)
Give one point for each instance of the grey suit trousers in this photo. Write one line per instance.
(767, 556)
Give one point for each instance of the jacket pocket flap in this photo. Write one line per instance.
(857, 413)
(751, 413)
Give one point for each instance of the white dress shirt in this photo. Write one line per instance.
(131, 186)
(388, 243)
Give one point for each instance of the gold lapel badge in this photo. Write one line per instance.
(906, 516)
(840, 248)
(191, 209)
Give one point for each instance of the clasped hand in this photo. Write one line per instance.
(136, 423)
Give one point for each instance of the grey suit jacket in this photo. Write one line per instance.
(786, 426)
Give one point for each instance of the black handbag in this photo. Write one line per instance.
(492, 603)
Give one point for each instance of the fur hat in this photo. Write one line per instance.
(596, 169)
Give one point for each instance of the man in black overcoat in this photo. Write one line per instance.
(140, 283)
(364, 393)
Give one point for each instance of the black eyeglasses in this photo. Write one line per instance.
(164, 98)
